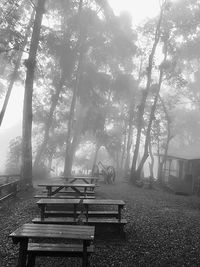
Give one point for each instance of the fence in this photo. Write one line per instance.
(9, 185)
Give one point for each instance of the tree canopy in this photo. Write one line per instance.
(94, 82)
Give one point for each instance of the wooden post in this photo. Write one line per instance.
(22, 253)
(85, 258)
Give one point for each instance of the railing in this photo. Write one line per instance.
(9, 185)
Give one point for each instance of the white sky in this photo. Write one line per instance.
(13, 114)
(139, 9)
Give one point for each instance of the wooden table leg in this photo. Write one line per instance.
(85, 181)
(85, 191)
(49, 191)
(22, 252)
(42, 211)
(86, 208)
(119, 212)
(31, 260)
(75, 208)
(76, 190)
(85, 257)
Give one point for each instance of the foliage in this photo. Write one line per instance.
(112, 76)
(13, 164)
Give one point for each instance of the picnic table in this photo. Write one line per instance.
(85, 210)
(85, 234)
(84, 179)
(44, 203)
(54, 187)
(108, 202)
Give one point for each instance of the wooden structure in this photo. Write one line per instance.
(77, 233)
(108, 172)
(81, 209)
(9, 185)
(54, 188)
(182, 174)
(84, 179)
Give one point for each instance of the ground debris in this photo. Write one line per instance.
(163, 230)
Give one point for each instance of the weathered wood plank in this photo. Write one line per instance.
(64, 197)
(69, 220)
(54, 231)
(34, 247)
(96, 213)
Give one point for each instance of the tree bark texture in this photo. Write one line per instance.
(27, 110)
(134, 172)
(169, 138)
(153, 109)
(68, 161)
(48, 123)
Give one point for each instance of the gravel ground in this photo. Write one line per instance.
(163, 230)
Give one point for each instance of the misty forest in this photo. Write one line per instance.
(110, 107)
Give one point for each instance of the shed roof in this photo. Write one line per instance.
(181, 157)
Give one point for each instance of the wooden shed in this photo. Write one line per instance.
(182, 174)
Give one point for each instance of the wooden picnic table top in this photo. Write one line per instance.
(58, 201)
(78, 232)
(103, 202)
(65, 184)
(78, 177)
(84, 201)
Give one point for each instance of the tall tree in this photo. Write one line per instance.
(15, 71)
(141, 109)
(69, 153)
(153, 108)
(27, 111)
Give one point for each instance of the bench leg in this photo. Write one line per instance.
(85, 256)
(31, 260)
(121, 231)
(22, 253)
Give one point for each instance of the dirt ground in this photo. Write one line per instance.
(163, 229)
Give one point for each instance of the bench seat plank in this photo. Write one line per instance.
(40, 248)
(100, 213)
(71, 192)
(91, 221)
(63, 197)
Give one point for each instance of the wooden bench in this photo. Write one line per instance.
(99, 223)
(92, 213)
(63, 196)
(90, 221)
(57, 212)
(55, 250)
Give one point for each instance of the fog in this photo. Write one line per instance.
(112, 84)
(100, 132)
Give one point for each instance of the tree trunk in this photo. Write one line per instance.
(129, 138)
(169, 138)
(55, 97)
(151, 165)
(48, 124)
(27, 110)
(134, 172)
(152, 113)
(122, 161)
(15, 71)
(69, 139)
(67, 169)
(75, 141)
